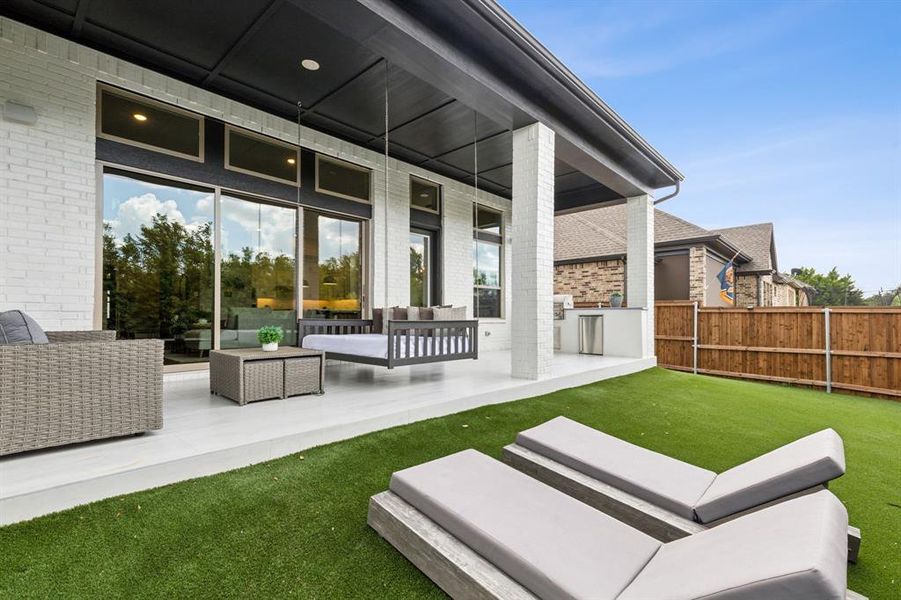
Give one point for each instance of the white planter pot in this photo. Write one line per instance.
(270, 347)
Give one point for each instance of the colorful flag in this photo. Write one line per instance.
(727, 282)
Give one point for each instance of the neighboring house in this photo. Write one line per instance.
(436, 141)
(590, 260)
(758, 282)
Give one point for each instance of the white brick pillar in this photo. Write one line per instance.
(532, 289)
(640, 261)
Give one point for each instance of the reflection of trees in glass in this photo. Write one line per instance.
(417, 277)
(248, 276)
(158, 283)
(339, 276)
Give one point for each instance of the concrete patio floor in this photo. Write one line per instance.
(205, 434)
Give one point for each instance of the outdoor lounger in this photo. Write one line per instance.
(667, 498)
(480, 529)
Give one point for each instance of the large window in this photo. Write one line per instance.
(420, 268)
(487, 260)
(332, 270)
(262, 156)
(158, 264)
(138, 121)
(258, 271)
(342, 179)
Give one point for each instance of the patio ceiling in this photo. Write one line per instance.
(443, 61)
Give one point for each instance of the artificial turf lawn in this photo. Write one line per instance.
(296, 526)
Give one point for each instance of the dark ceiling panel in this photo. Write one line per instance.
(572, 181)
(202, 30)
(502, 176)
(442, 130)
(361, 102)
(48, 17)
(493, 152)
(270, 60)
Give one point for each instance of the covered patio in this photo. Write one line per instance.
(205, 434)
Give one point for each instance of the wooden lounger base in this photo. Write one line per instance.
(444, 559)
(644, 516)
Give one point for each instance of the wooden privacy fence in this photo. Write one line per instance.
(857, 349)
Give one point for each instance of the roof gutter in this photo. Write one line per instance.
(669, 196)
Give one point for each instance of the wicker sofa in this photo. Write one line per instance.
(83, 385)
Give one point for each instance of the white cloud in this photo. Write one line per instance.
(140, 210)
(270, 228)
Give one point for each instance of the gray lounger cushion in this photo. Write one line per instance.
(805, 463)
(795, 550)
(659, 479)
(16, 327)
(551, 544)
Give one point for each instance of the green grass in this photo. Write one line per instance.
(297, 526)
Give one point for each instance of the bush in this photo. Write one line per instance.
(270, 334)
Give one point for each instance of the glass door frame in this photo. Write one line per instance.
(218, 191)
(366, 251)
(429, 260)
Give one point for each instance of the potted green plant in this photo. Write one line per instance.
(269, 337)
(616, 299)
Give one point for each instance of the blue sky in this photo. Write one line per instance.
(788, 112)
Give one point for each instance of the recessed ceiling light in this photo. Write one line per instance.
(309, 64)
(291, 161)
(424, 195)
(140, 117)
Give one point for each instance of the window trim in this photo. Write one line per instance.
(428, 183)
(102, 87)
(265, 138)
(348, 164)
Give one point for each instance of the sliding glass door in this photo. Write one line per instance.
(158, 264)
(332, 271)
(258, 271)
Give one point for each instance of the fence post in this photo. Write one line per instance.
(694, 341)
(826, 312)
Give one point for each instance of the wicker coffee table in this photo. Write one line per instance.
(249, 374)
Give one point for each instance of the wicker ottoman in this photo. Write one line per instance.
(249, 374)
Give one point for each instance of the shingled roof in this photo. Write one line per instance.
(601, 233)
(757, 241)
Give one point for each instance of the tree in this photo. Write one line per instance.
(830, 289)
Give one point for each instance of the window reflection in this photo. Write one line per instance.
(258, 271)
(158, 264)
(332, 276)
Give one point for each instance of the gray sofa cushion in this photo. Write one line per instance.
(802, 464)
(667, 482)
(18, 328)
(796, 550)
(553, 545)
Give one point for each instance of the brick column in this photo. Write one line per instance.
(640, 261)
(532, 289)
(697, 274)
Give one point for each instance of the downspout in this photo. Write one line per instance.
(670, 196)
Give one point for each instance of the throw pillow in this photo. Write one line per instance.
(414, 313)
(18, 328)
(426, 314)
(456, 313)
(378, 320)
(399, 313)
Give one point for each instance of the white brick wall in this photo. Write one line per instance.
(49, 201)
(533, 261)
(640, 260)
